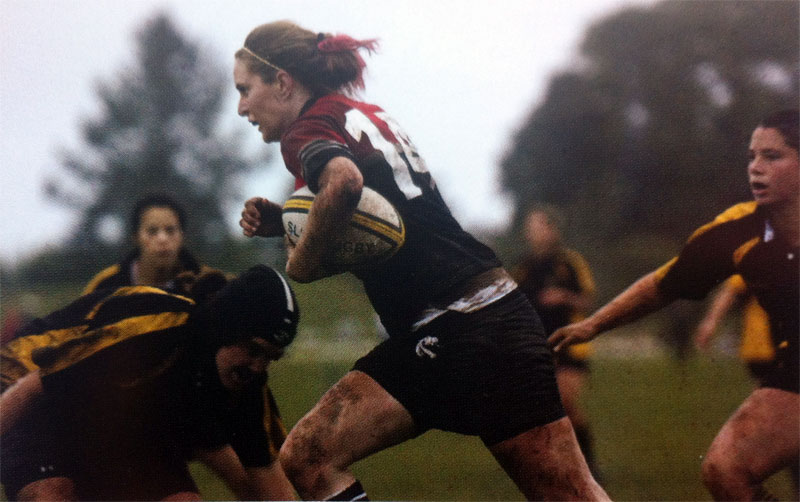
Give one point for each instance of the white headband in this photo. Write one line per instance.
(263, 60)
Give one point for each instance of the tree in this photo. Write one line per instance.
(649, 136)
(157, 132)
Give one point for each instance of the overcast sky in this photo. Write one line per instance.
(459, 75)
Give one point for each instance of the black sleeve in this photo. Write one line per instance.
(316, 155)
(249, 438)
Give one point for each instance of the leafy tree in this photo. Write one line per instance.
(649, 136)
(157, 131)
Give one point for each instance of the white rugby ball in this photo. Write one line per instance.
(375, 233)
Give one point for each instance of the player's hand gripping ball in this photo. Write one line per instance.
(375, 233)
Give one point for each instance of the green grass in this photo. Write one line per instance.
(653, 420)
(653, 417)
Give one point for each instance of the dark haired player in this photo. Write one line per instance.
(760, 241)
(156, 227)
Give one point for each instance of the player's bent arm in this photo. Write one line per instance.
(640, 299)
(340, 185)
(17, 400)
(271, 483)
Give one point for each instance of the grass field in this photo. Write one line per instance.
(653, 419)
(653, 416)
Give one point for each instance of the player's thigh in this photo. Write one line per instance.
(355, 418)
(762, 435)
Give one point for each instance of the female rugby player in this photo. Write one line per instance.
(466, 351)
(760, 241)
(157, 226)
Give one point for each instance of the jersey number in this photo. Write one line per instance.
(401, 156)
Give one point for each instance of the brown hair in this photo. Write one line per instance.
(322, 62)
(785, 121)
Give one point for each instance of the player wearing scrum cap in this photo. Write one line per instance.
(112, 395)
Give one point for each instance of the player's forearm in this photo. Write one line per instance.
(17, 400)
(271, 483)
(721, 304)
(340, 190)
(640, 299)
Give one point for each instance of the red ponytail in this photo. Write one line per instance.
(346, 43)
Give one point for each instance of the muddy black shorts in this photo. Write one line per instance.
(488, 373)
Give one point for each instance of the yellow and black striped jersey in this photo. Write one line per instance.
(756, 344)
(121, 274)
(131, 359)
(139, 327)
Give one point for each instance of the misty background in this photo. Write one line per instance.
(631, 117)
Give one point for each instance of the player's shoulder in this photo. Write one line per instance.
(108, 277)
(730, 219)
(141, 294)
(737, 211)
(337, 105)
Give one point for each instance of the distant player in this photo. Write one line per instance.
(108, 398)
(760, 241)
(466, 351)
(559, 283)
(157, 229)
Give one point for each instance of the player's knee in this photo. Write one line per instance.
(288, 457)
(712, 473)
(303, 457)
(721, 473)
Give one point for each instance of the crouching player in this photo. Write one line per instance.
(129, 383)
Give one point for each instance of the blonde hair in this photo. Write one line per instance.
(322, 62)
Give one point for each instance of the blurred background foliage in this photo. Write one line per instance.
(638, 143)
(646, 138)
(643, 139)
(158, 131)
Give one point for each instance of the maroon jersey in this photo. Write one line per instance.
(438, 256)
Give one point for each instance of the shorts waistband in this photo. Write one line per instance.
(480, 291)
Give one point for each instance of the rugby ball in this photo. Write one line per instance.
(375, 233)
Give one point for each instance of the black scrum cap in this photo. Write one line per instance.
(258, 303)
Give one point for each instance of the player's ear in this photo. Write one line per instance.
(285, 83)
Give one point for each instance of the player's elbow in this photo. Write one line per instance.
(342, 177)
(350, 187)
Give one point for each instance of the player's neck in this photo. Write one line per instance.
(150, 275)
(785, 219)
